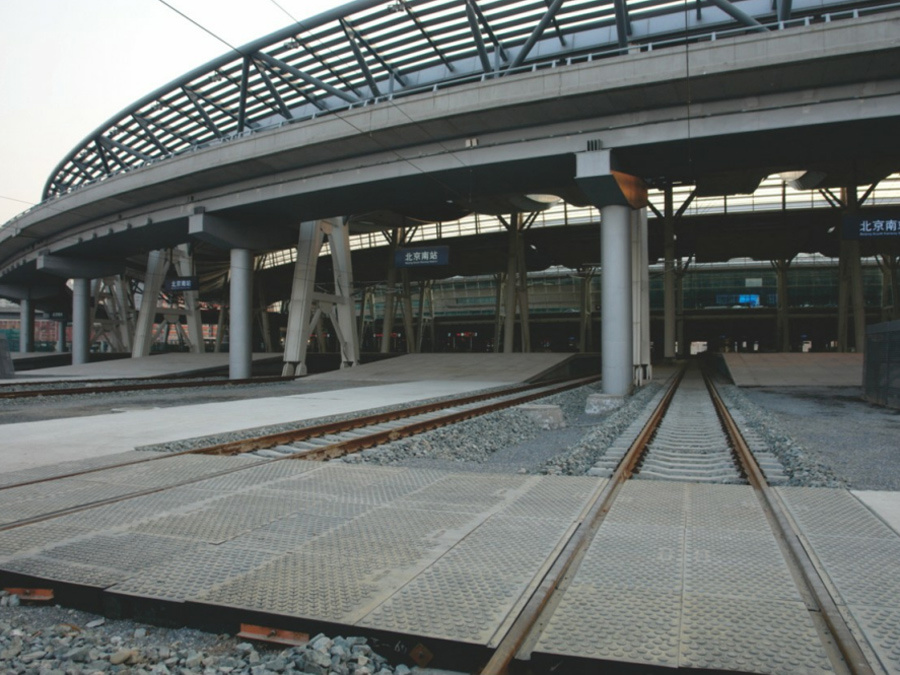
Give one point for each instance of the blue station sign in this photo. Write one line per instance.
(872, 225)
(182, 284)
(426, 256)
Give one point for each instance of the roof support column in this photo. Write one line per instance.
(81, 321)
(782, 318)
(616, 194)
(339, 307)
(240, 326)
(26, 326)
(157, 266)
(387, 326)
(61, 336)
(615, 299)
(669, 276)
(640, 282)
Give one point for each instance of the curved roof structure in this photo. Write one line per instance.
(371, 51)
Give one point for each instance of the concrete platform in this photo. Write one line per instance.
(157, 365)
(399, 381)
(795, 369)
(507, 368)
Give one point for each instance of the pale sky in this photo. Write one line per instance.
(66, 66)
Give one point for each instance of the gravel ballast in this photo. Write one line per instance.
(58, 641)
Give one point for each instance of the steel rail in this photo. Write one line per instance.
(853, 655)
(533, 392)
(583, 534)
(293, 435)
(346, 447)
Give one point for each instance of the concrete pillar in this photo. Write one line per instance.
(61, 336)
(843, 297)
(81, 321)
(408, 321)
(499, 281)
(509, 303)
(157, 266)
(640, 298)
(782, 320)
(669, 277)
(26, 326)
(856, 282)
(240, 327)
(616, 343)
(387, 326)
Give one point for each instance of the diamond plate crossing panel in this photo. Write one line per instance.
(125, 551)
(882, 628)
(470, 493)
(287, 534)
(659, 503)
(634, 627)
(735, 507)
(21, 539)
(298, 584)
(554, 497)
(20, 506)
(222, 519)
(64, 570)
(168, 471)
(864, 570)
(736, 563)
(635, 557)
(64, 468)
(138, 509)
(831, 512)
(185, 577)
(466, 594)
(759, 636)
(265, 472)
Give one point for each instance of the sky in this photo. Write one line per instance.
(67, 66)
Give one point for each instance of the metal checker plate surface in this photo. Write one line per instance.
(297, 584)
(185, 577)
(467, 593)
(635, 557)
(168, 471)
(736, 563)
(831, 512)
(554, 497)
(761, 636)
(63, 468)
(882, 628)
(66, 571)
(469, 493)
(267, 471)
(138, 509)
(637, 627)
(21, 539)
(657, 502)
(126, 551)
(222, 519)
(51, 503)
(865, 571)
(287, 534)
(735, 506)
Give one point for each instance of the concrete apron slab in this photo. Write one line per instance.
(441, 556)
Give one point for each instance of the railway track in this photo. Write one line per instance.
(313, 443)
(689, 437)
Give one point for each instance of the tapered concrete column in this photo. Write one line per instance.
(26, 326)
(640, 299)
(81, 321)
(240, 327)
(669, 277)
(616, 333)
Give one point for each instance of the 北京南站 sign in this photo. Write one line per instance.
(422, 256)
(871, 225)
(182, 284)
